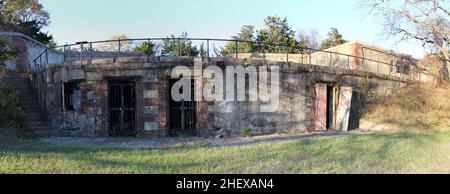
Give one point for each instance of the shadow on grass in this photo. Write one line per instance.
(376, 150)
(120, 160)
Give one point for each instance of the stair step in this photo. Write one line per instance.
(29, 103)
(44, 133)
(30, 109)
(34, 115)
(40, 128)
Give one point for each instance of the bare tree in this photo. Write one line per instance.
(423, 20)
(113, 45)
(309, 39)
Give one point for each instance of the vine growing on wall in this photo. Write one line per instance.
(365, 91)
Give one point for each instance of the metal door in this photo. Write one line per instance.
(182, 115)
(321, 107)
(122, 103)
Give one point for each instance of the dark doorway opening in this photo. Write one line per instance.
(122, 108)
(71, 96)
(330, 107)
(182, 115)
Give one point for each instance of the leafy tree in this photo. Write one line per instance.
(277, 31)
(148, 48)
(179, 46)
(424, 21)
(202, 50)
(25, 16)
(32, 29)
(334, 39)
(247, 33)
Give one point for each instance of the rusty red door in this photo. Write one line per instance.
(321, 107)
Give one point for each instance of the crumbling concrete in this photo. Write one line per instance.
(295, 114)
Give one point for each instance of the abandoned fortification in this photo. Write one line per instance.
(80, 92)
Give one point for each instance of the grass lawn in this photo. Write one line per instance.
(372, 153)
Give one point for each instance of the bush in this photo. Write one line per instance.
(247, 132)
(10, 111)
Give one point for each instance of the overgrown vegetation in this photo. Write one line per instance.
(247, 132)
(148, 48)
(419, 108)
(11, 116)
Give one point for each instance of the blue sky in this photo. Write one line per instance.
(75, 20)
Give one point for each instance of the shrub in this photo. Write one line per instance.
(10, 111)
(247, 131)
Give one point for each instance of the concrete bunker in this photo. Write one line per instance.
(131, 97)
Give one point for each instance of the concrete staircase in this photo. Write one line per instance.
(34, 119)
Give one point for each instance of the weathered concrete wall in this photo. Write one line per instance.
(297, 100)
(28, 49)
(296, 112)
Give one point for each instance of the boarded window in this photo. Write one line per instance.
(71, 96)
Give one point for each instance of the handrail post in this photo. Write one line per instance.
(148, 54)
(91, 49)
(81, 54)
(331, 61)
(419, 77)
(46, 56)
(309, 53)
(118, 51)
(390, 69)
(64, 53)
(264, 52)
(348, 60)
(179, 47)
(236, 49)
(207, 48)
(378, 67)
(301, 56)
(287, 54)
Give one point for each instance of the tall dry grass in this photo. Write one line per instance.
(417, 108)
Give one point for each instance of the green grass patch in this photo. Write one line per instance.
(371, 153)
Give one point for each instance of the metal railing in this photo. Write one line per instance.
(151, 47)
